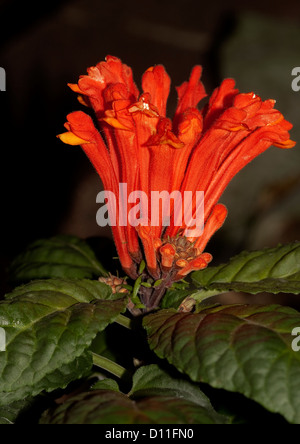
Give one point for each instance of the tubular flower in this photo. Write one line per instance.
(199, 150)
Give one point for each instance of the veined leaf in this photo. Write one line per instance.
(57, 257)
(155, 398)
(174, 297)
(153, 381)
(9, 413)
(49, 326)
(272, 270)
(245, 349)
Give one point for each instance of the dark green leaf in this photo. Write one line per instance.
(49, 326)
(245, 349)
(151, 381)
(155, 398)
(57, 257)
(273, 270)
(9, 413)
(174, 297)
(106, 384)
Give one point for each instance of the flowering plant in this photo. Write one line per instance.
(163, 180)
(144, 149)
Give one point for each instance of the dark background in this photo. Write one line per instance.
(49, 188)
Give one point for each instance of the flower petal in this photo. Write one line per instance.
(104, 74)
(164, 135)
(157, 82)
(190, 93)
(70, 138)
(213, 224)
(221, 99)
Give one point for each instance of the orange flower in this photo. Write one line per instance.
(196, 151)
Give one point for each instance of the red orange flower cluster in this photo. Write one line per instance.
(197, 150)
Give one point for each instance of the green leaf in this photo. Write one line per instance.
(174, 297)
(9, 413)
(57, 257)
(151, 381)
(155, 398)
(106, 384)
(49, 327)
(245, 349)
(274, 270)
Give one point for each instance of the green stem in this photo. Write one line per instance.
(201, 295)
(124, 321)
(108, 365)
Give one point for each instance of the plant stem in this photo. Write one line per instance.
(201, 295)
(108, 365)
(124, 321)
(159, 292)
